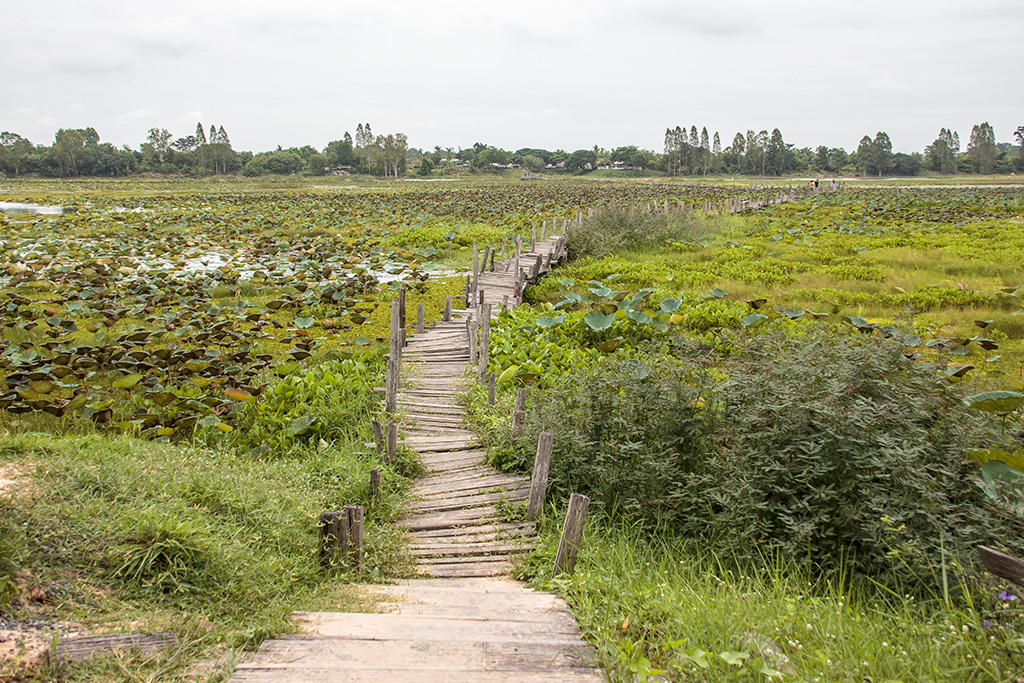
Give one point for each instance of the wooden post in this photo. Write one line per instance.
(476, 262)
(374, 484)
(401, 308)
(504, 243)
(491, 378)
(392, 438)
(395, 349)
(493, 252)
(419, 318)
(378, 436)
(447, 308)
(483, 264)
(533, 237)
(536, 268)
(354, 517)
(485, 340)
(572, 534)
(539, 478)
(519, 247)
(519, 414)
(472, 343)
(331, 538)
(391, 387)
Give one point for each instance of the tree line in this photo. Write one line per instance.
(686, 152)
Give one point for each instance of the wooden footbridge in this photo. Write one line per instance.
(468, 623)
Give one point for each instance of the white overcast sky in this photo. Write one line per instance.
(523, 73)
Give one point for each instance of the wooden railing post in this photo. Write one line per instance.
(519, 414)
(332, 538)
(394, 357)
(401, 311)
(491, 378)
(447, 308)
(354, 516)
(572, 534)
(374, 484)
(539, 478)
(419, 318)
(392, 441)
(378, 436)
(472, 340)
(485, 341)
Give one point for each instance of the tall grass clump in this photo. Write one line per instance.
(617, 228)
(831, 449)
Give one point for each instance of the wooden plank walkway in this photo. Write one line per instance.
(468, 623)
(489, 630)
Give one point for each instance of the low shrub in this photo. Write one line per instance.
(828, 449)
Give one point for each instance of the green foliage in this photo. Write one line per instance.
(649, 602)
(332, 401)
(830, 449)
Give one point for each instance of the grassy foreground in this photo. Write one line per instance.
(121, 534)
(659, 606)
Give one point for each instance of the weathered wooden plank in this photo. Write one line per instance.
(398, 627)
(468, 532)
(477, 551)
(82, 647)
(283, 673)
(1002, 565)
(461, 483)
(443, 520)
(465, 502)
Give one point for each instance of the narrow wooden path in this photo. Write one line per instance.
(468, 623)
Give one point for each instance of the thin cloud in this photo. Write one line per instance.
(889, 85)
(191, 116)
(138, 115)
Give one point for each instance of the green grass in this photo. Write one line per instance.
(650, 602)
(127, 535)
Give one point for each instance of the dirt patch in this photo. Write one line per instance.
(22, 652)
(16, 477)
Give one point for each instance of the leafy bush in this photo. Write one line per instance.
(832, 450)
(333, 401)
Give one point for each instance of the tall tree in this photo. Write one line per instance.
(864, 154)
(675, 147)
(1019, 134)
(775, 153)
(13, 151)
(200, 135)
(882, 153)
(943, 151)
(705, 148)
(68, 146)
(160, 138)
(982, 147)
